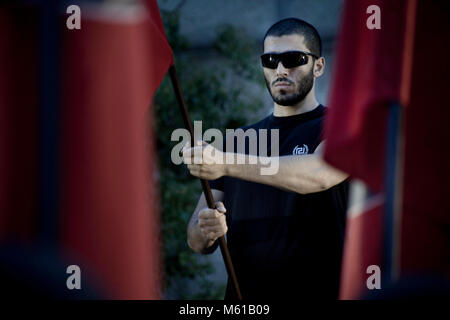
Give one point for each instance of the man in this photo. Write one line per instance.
(284, 231)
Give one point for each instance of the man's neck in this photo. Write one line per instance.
(306, 105)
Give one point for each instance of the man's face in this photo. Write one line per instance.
(288, 86)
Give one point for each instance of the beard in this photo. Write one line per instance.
(290, 99)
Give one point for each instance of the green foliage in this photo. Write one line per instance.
(219, 104)
(234, 43)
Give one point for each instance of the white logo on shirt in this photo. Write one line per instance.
(300, 150)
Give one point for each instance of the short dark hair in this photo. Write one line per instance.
(290, 26)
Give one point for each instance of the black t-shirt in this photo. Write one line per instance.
(284, 244)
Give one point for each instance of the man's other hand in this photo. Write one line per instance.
(212, 222)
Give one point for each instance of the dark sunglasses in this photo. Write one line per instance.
(289, 59)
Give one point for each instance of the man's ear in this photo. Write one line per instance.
(319, 67)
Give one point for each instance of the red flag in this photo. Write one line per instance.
(425, 221)
(18, 125)
(371, 72)
(363, 240)
(375, 68)
(111, 69)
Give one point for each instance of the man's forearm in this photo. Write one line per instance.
(297, 173)
(301, 174)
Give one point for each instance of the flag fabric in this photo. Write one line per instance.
(110, 221)
(368, 75)
(18, 125)
(363, 239)
(371, 66)
(106, 219)
(374, 69)
(425, 221)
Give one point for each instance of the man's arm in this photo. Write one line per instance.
(298, 173)
(206, 225)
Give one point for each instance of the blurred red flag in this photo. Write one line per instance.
(372, 70)
(18, 125)
(111, 69)
(363, 240)
(375, 68)
(425, 221)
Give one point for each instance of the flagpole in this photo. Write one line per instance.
(205, 184)
(393, 192)
(395, 154)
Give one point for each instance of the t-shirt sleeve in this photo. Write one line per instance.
(217, 184)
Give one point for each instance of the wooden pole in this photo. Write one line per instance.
(393, 192)
(205, 184)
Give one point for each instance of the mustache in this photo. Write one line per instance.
(282, 80)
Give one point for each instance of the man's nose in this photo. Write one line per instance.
(281, 70)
